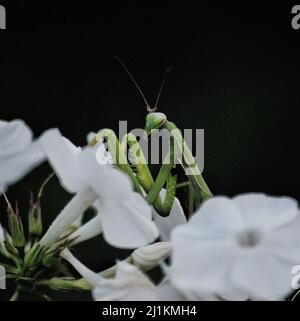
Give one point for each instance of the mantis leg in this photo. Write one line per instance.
(145, 178)
(188, 161)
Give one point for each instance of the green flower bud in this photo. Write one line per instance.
(35, 225)
(11, 249)
(34, 256)
(50, 260)
(16, 228)
(65, 284)
(12, 253)
(51, 257)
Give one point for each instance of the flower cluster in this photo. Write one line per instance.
(240, 248)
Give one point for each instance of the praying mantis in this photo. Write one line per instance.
(139, 172)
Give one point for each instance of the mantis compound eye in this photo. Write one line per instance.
(154, 121)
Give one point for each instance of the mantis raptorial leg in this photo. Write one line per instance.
(143, 178)
(159, 121)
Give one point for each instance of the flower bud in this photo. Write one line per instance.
(147, 257)
(51, 256)
(63, 284)
(11, 250)
(50, 260)
(16, 228)
(35, 225)
(34, 256)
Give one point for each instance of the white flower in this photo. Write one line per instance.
(127, 278)
(238, 248)
(18, 152)
(126, 218)
(166, 224)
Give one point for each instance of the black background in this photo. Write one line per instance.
(236, 74)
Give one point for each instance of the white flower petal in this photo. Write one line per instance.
(18, 165)
(109, 183)
(284, 242)
(263, 276)
(266, 211)
(127, 224)
(214, 221)
(199, 267)
(15, 137)
(165, 225)
(221, 211)
(63, 157)
(18, 153)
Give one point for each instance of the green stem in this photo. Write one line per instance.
(15, 295)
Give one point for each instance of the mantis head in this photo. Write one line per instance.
(154, 121)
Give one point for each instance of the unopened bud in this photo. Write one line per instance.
(148, 257)
(11, 249)
(51, 257)
(34, 256)
(35, 225)
(11, 252)
(16, 228)
(61, 284)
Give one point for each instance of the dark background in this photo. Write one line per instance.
(236, 74)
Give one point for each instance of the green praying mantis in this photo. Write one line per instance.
(139, 171)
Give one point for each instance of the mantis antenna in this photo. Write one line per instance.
(134, 81)
(169, 69)
(149, 109)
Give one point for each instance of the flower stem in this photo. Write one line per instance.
(15, 295)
